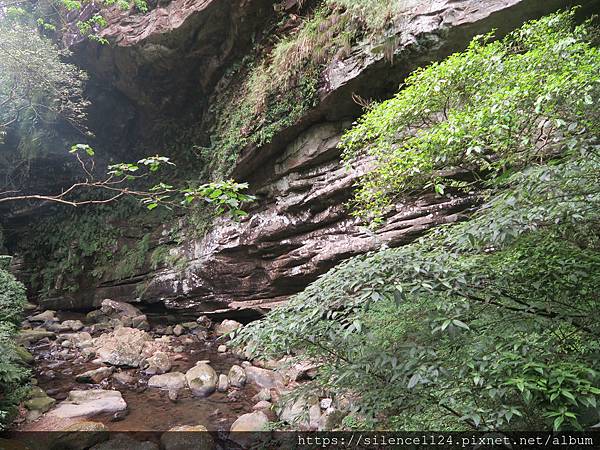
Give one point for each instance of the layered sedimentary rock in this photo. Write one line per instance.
(300, 227)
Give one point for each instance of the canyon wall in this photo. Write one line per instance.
(168, 62)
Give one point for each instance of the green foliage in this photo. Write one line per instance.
(496, 107)
(273, 91)
(13, 376)
(223, 195)
(66, 249)
(489, 324)
(37, 87)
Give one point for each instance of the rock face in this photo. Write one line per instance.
(171, 60)
(89, 403)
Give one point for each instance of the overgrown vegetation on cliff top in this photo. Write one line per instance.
(274, 90)
(489, 324)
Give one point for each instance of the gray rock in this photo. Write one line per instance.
(204, 322)
(80, 340)
(222, 348)
(46, 316)
(178, 330)
(73, 325)
(79, 435)
(237, 376)
(264, 378)
(169, 381)
(124, 378)
(263, 404)
(226, 327)
(158, 363)
(263, 395)
(302, 413)
(140, 322)
(118, 310)
(89, 403)
(223, 384)
(256, 421)
(201, 379)
(123, 347)
(331, 419)
(94, 376)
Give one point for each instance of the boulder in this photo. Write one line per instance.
(237, 376)
(302, 413)
(187, 437)
(331, 419)
(169, 381)
(28, 337)
(46, 316)
(140, 322)
(263, 395)
(201, 379)
(223, 384)
(263, 404)
(94, 376)
(264, 378)
(37, 403)
(178, 330)
(73, 325)
(303, 370)
(80, 340)
(158, 363)
(123, 378)
(255, 421)
(23, 354)
(251, 422)
(118, 310)
(123, 347)
(79, 435)
(226, 327)
(89, 403)
(204, 322)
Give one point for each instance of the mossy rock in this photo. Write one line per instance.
(40, 404)
(5, 261)
(38, 401)
(32, 336)
(24, 354)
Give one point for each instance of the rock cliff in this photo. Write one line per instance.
(168, 62)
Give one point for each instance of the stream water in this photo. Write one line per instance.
(149, 409)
